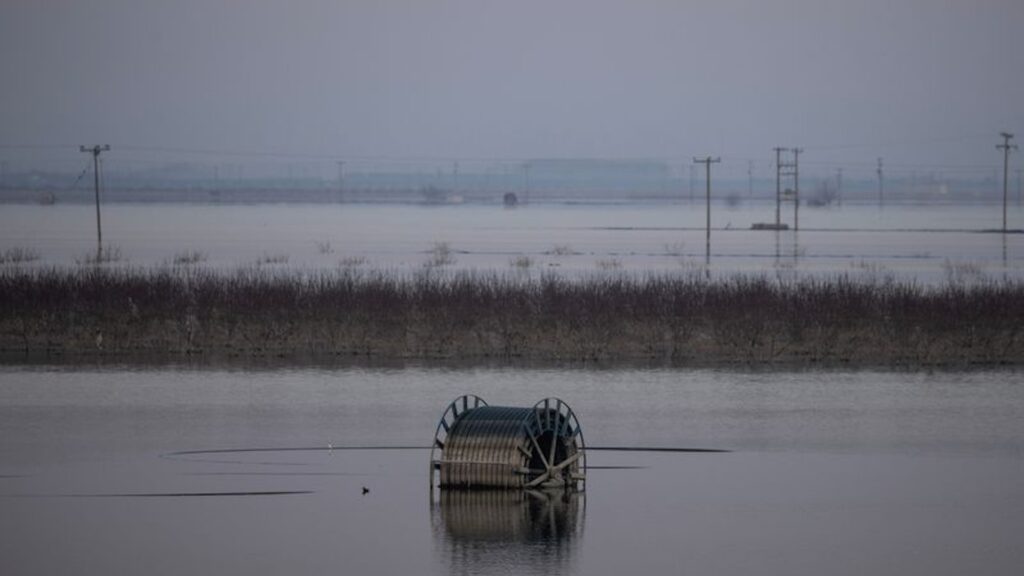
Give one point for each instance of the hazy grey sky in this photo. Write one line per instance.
(917, 81)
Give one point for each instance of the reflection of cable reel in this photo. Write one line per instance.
(479, 530)
(510, 515)
(481, 446)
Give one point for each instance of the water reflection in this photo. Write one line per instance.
(537, 532)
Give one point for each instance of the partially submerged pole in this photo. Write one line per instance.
(707, 162)
(95, 151)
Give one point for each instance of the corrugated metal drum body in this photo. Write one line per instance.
(487, 447)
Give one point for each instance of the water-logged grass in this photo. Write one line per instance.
(682, 317)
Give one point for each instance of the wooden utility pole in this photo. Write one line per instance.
(796, 188)
(787, 169)
(707, 162)
(95, 151)
(1005, 147)
(778, 186)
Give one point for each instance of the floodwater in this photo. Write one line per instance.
(924, 243)
(177, 469)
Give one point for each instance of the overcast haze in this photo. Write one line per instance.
(916, 81)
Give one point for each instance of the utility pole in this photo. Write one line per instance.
(787, 169)
(1005, 147)
(796, 188)
(778, 186)
(881, 185)
(95, 151)
(707, 162)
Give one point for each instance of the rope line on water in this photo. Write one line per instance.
(329, 448)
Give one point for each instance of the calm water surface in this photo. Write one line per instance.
(917, 242)
(828, 472)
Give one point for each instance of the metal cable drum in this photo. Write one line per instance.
(481, 446)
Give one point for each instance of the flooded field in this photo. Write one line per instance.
(170, 469)
(771, 254)
(264, 469)
(909, 242)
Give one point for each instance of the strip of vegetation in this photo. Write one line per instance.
(683, 318)
(18, 255)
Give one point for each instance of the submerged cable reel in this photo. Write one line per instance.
(481, 446)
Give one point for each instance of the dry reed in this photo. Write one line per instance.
(682, 318)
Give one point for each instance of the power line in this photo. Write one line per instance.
(36, 147)
(385, 159)
(911, 142)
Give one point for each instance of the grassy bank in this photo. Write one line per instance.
(682, 318)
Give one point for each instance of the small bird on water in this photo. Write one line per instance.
(365, 490)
